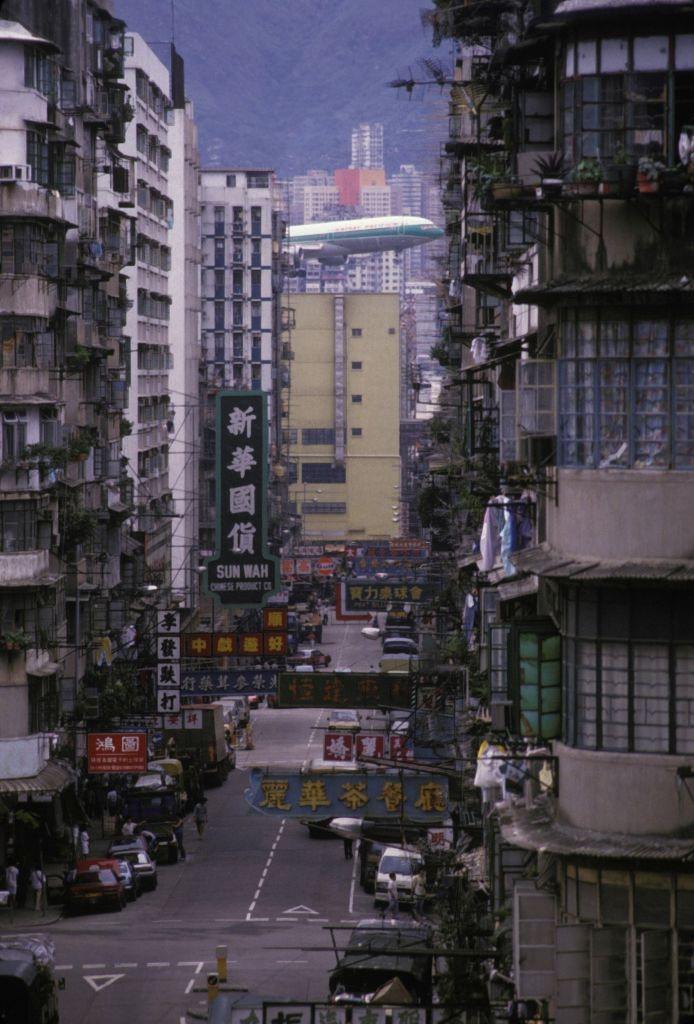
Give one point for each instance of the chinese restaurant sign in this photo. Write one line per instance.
(297, 795)
(117, 752)
(242, 574)
(343, 690)
(343, 746)
(215, 682)
(376, 595)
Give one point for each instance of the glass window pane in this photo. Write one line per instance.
(614, 407)
(586, 702)
(569, 65)
(615, 719)
(651, 698)
(614, 55)
(650, 53)
(651, 413)
(684, 52)
(684, 695)
(587, 61)
(684, 413)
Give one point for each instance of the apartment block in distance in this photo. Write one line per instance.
(343, 415)
(149, 410)
(241, 285)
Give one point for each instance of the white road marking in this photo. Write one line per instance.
(291, 961)
(155, 964)
(99, 981)
(126, 965)
(189, 987)
(286, 919)
(249, 918)
(181, 963)
(300, 909)
(263, 876)
(93, 967)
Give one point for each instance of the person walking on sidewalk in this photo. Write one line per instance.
(11, 878)
(420, 892)
(393, 899)
(178, 833)
(200, 815)
(84, 841)
(348, 844)
(37, 881)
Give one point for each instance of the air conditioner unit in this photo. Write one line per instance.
(14, 172)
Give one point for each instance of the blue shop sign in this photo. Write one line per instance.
(232, 682)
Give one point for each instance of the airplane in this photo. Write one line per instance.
(332, 241)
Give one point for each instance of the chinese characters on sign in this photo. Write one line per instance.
(214, 682)
(376, 595)
(343, 690)
(294, 794)
(241, 573)
(339, 746)
(219, 645)
(168, 661)
(116, 752)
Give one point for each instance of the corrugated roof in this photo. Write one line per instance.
(545, 561)
(52, 778)
(613, 283)
(536, 828)
(597, 6)
(14, 32)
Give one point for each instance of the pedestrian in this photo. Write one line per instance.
(392, 890)
(128, 827)
(11, 878)
(420, 892)
(37, 881)
(112, 801)
(200, 815)
(348, 844)
(84, 841)
(178, 833)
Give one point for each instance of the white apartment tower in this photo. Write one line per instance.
(184, 335)
(367, 145)
(147, 448)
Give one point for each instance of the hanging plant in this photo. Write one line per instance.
(14, 641)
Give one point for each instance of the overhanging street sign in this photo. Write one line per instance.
(378, 595)
(215, 682)
(343, 690)
(394, 794)
(242, 574)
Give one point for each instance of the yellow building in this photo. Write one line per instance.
(343, 415)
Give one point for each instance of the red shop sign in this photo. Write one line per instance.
(117, 752)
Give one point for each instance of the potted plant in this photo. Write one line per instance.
(551, 171)
(13, 641)
(619, 174)
(649, 172)
(586, 176)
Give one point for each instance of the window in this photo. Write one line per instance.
(237, 282)
(237, 308)
(255, 252)
(356, 332)
(219, 252)
(219, 316)
(289, 435)
(14, 433)
(219, 284)
(18, 526)
(219, 347)
(356, 365)
(626, 390)
(392, 330)
(629, 672)
(356, 399)
(141, 139)
(238, 346)
(256, 220)
(356, 432)
(219, 220)
(49, 427)
(322, 473)
(23, 342)
(318, 435)
(258, 181)
(37, 156)
(255, 284)
(256, 316)
(324, 508)
(231, 181)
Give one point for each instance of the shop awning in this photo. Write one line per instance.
(546, 561)
(52, 778)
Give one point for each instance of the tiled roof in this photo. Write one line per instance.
(545, 561)
(536, 828)
(612, 283)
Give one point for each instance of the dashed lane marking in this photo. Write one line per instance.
(189, 986)
(158, 964)
(93, 967)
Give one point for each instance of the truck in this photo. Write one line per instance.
(203, 744)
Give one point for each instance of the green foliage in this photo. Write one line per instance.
(587, 172)
(81, 443)
(15, 640)
(78, 359)
(120, 693)
(126, 427)
(46, 455)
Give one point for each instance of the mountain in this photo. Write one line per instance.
(281, 83)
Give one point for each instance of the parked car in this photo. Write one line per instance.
(344, 721)
(140, 861)
(164, 849)
(92, 888)
(309, 656)
(120, 868)
(239, 709)
(406, 864)
(400, 645)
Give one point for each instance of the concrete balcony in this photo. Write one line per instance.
(23, 567)
(26, 199)
(28, 381)
(25, 295)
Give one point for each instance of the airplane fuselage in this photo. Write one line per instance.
(334, 241)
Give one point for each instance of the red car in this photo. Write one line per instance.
(94, 887)
(309, 656)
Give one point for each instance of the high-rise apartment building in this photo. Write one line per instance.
(343, 415)
(149, 406)
(65, 210)
(367, 145)
(184, 334)
(321, 202)
(241, 287)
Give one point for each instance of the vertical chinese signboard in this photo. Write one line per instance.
(242, 573)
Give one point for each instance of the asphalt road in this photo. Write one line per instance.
(260, 886)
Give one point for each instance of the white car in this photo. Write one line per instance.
(406, 864)
(344, 721)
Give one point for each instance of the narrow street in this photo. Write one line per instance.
(262, 887)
